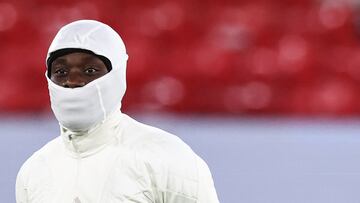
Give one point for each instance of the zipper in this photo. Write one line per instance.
(77, 172)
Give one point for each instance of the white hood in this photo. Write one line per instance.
(79, 109)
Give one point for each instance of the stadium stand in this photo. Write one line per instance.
(297, 57)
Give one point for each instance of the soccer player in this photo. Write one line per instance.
(103, 155)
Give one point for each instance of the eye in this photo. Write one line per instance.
(91, 70)
(60, 72)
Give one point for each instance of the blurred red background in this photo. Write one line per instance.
(279, 57)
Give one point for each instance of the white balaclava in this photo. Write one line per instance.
(80, 109)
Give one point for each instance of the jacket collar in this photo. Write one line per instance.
(86, 143)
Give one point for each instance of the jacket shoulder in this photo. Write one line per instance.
(154, 141)
(37, 162)
(170, 162)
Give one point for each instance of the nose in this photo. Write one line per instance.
(74, 80)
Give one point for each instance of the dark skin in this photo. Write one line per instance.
(76, 69)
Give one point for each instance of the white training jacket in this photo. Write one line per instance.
(120, 161)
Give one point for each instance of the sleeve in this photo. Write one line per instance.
(183, 189)
(20, 189)
(206, 188)
(175, 173)
(182, 182)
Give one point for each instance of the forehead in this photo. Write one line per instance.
(77, 57)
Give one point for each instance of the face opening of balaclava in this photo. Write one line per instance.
(62, 52)
(80, 109)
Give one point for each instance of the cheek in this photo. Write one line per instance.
(56, 80)
(104, 72)
(101, 73)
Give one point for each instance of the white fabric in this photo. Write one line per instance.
(117, 159)
(80, 109)
(121, 161)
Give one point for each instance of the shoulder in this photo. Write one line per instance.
(140, 133)
(37, 162)
(170, 162)
(154, 141)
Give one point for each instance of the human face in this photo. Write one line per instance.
(76, 69)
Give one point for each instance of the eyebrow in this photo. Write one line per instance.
(59, 60)
(88, 59)
(85, 58)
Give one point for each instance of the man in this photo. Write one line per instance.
(102, 155)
